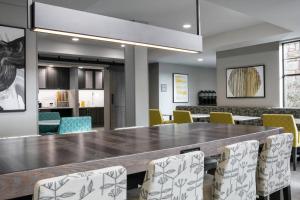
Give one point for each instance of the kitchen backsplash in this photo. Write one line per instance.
(48, 97)
(92, 98)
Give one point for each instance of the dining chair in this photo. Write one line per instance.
(287, 122)
(103, 184)
(156, 118)
(273, 172)
(182, 116)
(175, 177)
(235, 174)
(75, 125)
(221, 118)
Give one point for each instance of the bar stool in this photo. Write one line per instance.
(235, 175)
(103, 184)
(273, 173)
(175, 177)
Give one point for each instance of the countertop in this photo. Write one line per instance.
(91, 107)
(54, 108)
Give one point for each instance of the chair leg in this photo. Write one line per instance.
(287, 193)
(294, 152)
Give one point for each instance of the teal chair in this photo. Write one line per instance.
(75, 125)
(48, 129)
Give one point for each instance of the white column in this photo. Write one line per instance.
(136, 86)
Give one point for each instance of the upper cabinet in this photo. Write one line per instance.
(54, 78)
(90, 79)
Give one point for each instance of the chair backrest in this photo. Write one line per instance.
(286, 121)
(182, 116)
(155, 117)
(273, 171)
(103, 184)
(75, 124)
(175, 177)
(235, 174)
(221, 118)
(49, 116)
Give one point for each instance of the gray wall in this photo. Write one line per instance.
(22, 123)
(267, 54)
(199, 79)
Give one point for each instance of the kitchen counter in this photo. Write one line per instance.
(91, 107)
(54, 108)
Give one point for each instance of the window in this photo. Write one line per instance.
(291, 74)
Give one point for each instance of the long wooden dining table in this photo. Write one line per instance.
(24, 161)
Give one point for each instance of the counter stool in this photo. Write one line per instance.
(273, 173)
(103, 184)
(235, 175)
(175, 177)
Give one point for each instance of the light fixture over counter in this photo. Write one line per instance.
(68, 22)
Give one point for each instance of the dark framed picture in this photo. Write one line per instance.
(12, 69)
(180, 88)
(245, 82)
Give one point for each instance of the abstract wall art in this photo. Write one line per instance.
(12, 69)
(246, 82)
(180, 88)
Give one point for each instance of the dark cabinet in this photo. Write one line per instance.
(42, 77)
(96, 113)
(89, 79)
(54, 78)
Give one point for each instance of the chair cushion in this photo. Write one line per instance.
(208, 187)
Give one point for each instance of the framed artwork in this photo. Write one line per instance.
(163, 87)
(12, 69)
(180, 88)
(245, 82)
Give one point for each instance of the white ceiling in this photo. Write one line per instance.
(225, 24)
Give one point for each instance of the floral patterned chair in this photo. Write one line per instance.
(104, 184)
(235, 175)
(174, 178)
(273, 173)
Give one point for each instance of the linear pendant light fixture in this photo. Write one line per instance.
(68, 22)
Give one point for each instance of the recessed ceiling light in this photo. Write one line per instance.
(186, 26)
(74, 39)
(123, 45)
(200, 59)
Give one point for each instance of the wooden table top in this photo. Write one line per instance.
(26, 160)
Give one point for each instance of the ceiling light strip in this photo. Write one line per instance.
(110, 40)
(80, 24)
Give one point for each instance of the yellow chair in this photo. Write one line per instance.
(221, 118)
(287, 122)
(155, 118)
(182, 116)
